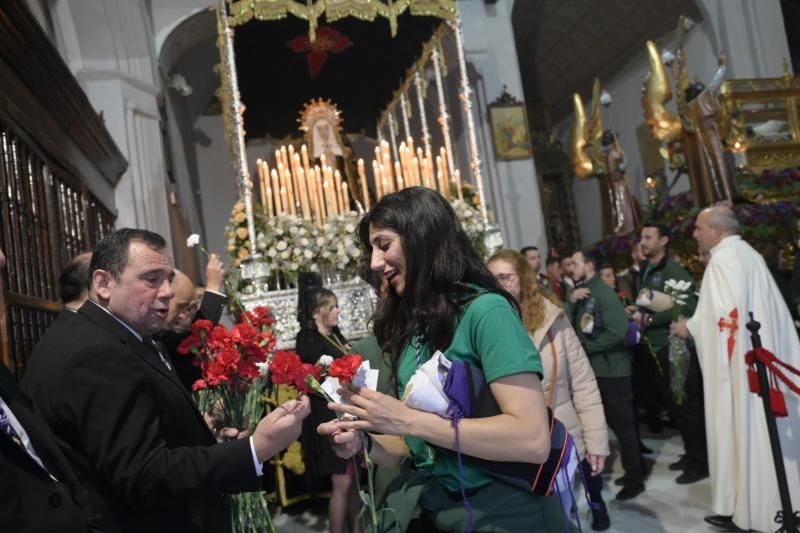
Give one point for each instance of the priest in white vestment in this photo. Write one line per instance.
(744, 490)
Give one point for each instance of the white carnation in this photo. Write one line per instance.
(193, 240)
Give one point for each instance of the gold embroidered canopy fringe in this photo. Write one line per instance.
(242, 11)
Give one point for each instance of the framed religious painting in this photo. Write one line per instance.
(510, 134)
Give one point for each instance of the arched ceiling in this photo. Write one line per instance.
(563, 45)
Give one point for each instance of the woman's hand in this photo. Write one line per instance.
(345, 443)
(597, 462)
(376, 412)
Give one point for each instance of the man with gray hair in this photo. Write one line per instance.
(744, 490)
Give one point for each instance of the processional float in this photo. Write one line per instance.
(312, 195)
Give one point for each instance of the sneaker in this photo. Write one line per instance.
(691, 476)
(629, 492)
(600, 519)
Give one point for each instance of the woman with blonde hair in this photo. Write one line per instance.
(570, 387)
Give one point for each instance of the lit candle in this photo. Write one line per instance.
(284, 159)
(323, 207)
(304, 203)
(376, 178)
(276, 188)
(270, 212)
(386, 166)
(284, 196)
(345, 198)
(443, 166)
(337, 188)
(415, 170)
(261, 185)
(306, 165)
(457, 180)
(362, 177)
(398, 176)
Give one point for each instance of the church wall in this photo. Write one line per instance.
(109, 46)
(215, 176)
(512, 186)
(754, 42)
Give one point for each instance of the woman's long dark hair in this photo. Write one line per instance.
(440, 262)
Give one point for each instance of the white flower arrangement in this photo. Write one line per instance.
(289, 244)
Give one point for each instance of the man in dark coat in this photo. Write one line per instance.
(123, 417)
(599, 319)
(39, 491)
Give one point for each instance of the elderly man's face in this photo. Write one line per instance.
(706, 236)
(182, 308)
(141, 295)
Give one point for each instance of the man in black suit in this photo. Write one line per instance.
(122, 416)
(38, 489)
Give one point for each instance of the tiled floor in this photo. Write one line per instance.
(664, 507)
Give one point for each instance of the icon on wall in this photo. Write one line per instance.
(509, 124)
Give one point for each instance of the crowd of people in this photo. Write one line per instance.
(105, 435)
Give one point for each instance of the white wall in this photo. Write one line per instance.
(108, 45)
(217, 183)
(489, 45)
(754, 42)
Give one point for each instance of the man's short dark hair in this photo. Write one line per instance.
(595, 257)
(527, 249)
(552, 259)
(111, 253)
(663, 229)
(74, 278)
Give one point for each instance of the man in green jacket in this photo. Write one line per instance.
(601, 323)
(654, 273)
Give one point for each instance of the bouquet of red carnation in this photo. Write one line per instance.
(324, 379)
(234, 364)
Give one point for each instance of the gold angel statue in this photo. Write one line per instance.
(692, 138)
(596, 153)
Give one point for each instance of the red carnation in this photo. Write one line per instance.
(202, 325)
(303, 371)
(345, 368)
(199, 385)
(283, 367)
(190, 344)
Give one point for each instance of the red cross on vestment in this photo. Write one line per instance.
(732, 327)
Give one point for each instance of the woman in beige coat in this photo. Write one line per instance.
(569, 384)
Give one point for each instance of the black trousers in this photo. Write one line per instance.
(617, 397)
(689, 416)
(648, 395)
(594, 484)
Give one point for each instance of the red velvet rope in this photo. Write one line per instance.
(772, 363)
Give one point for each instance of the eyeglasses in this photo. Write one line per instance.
(506, 278)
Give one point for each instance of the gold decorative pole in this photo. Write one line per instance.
(232, 115)
(444, 118)
(466, 99)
